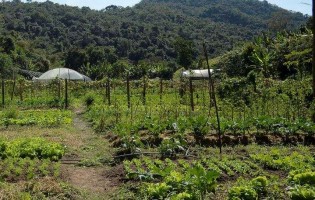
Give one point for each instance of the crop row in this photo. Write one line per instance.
(181, 179)
(202, 125)
(300, 185)
(176, 180)
(171, 179)
(147, 169)
(45, 118)
(16, 169)
(276, 160)
(31, 148)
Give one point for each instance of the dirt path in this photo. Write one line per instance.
(97, 180)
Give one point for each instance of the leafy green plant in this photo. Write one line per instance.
(157, 190)
(304, 178)
(302, 193)
(169, 147)
(252, 190)
(260, 184)
(45, 118)
(131, 144)
(200, 126)
(32, 148)
(202, 181)
(243, 193)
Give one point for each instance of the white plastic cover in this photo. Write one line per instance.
(198, 73)
(63, 73)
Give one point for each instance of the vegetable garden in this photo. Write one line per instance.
(166, 149)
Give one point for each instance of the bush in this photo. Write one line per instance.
(11, 113)
(89, 99)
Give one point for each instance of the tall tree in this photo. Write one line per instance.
(185, 52)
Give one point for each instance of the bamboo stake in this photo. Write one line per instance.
(13, 87)
(211, 85)
(191, 95)
(108, 91)
(66, 93)
(161, 90)
(144, 90)
(2, 88)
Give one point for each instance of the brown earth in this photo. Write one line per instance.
(100, 181)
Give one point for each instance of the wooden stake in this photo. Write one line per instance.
(2, 88)
(161, 90)
(13, 87)
(108, 91)
(191, 95)
(128, 91)
(59, 91)
(66, 93)
(211, 85)
(313, 59)
(144, 90)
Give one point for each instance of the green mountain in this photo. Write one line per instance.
(49, 35)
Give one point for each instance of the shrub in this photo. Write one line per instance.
(11, 113)
(89, 99)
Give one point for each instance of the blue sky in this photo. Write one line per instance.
(303, 6)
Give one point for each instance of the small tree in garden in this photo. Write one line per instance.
(262, 57)
(5, 63)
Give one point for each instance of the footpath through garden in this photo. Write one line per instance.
(83, 166)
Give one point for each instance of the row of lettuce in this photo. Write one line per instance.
(265, 174)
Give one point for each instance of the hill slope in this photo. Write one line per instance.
(145, 31)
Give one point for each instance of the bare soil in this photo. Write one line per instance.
(97, 181)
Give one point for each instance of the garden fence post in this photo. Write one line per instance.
(108, 91)
(128, 90)
(191, 94)
(66, 94)
(161, 90)
(211, 85)
(13, 87)
(144, 90)
(2, 88)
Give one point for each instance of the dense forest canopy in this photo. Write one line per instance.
(39, 36)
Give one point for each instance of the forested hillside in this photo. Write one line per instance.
(47, 35)
(286, 55)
